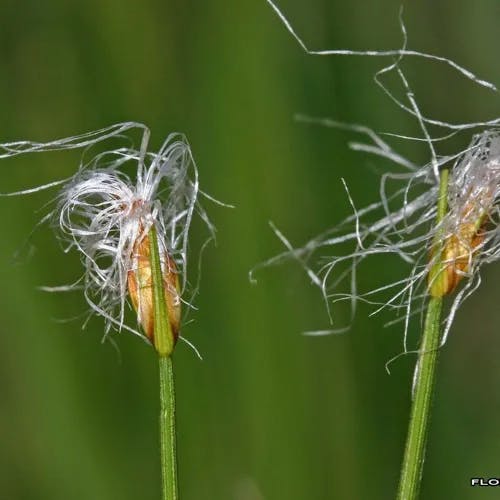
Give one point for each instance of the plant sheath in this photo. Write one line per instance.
(164, 343)
(411, 471)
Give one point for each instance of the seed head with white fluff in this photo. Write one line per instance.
(106, 210)
(443, 258)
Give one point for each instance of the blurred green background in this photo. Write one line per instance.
(268, 414)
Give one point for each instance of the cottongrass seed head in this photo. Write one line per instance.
(440, 255)
(440, 218)
(106, 210)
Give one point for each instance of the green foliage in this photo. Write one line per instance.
(267, 410)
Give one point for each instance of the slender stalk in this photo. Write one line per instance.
(164, 344)
(411, 471)
(167, 430)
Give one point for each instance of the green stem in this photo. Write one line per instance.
(443, 198)
(411, 471)
(164, 344)
(167, 430)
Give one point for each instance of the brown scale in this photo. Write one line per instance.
(457, 253)
(140, 288)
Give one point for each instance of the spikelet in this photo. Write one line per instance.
(140, 288)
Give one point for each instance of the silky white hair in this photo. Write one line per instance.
(402, 222)
(102, 211)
